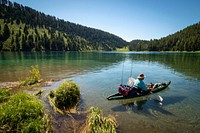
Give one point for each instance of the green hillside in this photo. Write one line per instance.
(187, 39)
(25, 29)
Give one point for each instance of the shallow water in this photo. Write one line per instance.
(98, 75)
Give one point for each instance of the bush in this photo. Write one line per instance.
(22, 113)
(52, 94)
(96, 123)
(34, 77)
(4, 94)
(67, 95)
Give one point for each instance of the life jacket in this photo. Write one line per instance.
(124, 89)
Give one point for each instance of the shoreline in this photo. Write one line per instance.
(74, 120)
(11, 84)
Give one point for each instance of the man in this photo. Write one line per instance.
(140, 85)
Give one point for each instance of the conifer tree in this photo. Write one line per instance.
(6, 32)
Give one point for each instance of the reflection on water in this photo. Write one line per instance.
(98, 75)
(185, 63)
(53, 65)
(63, 64)
(143, 106)
(146, 104)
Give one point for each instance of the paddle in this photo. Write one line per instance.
(156, 96)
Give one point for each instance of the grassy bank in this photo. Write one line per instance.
(97, 123)
(22, 112)
(124, 49)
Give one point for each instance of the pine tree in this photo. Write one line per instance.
(17, 43)
(6, 32)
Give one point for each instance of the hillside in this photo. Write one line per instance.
(134, 45)
(25, 29)
(187, 39)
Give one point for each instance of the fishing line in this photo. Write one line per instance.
(122, 72)
(131, 69)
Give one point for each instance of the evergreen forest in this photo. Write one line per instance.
(187, 39)
(25, 29)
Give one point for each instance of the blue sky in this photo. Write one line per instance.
(128, 19)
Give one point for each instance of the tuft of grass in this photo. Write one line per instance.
(4, 94)
(96, 123)
(39, 93)
(34, 77)
(52, 94)
(65, 98)
(23, 113)
(67, 95)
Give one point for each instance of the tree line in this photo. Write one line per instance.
(187, 39)
(25, 29)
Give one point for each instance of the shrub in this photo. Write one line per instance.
(34, 77)
(67, 95)
(4, 94)
(96, 123)
(52, 94)
(22, 113)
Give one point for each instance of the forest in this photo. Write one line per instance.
(187, 39)
(25, 29)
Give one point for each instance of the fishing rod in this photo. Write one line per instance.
(122, 73)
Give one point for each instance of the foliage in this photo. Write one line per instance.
(67, 95)
(4, 94)
(96, 123)
(187, 39)
(22, 113)
(38, 93)
(35, 31)
(124, 49)
(6, 33)
(135, 45)
(52, 94)
(34, 77)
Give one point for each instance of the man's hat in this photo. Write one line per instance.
(140, 76)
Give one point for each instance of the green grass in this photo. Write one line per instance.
(4, 94)
(23, 113)
(124, 49)
(34, 77)
(96, 123)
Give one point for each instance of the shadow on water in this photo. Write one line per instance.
(147, 105)
(170, 100)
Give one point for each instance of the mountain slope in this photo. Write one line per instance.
(23, 28)
(187, 39)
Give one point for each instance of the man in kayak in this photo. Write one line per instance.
(140, 85)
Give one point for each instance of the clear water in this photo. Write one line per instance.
(98, 75)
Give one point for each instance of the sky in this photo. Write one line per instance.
(128, 19)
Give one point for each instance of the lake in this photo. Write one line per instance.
(98, 74)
